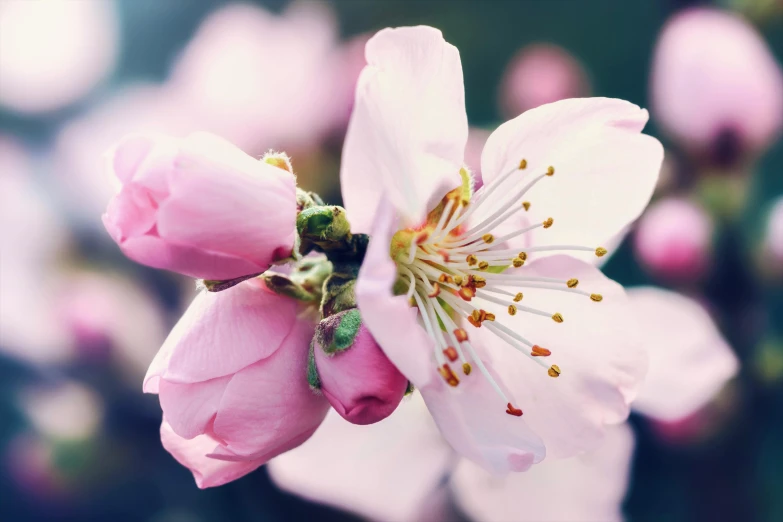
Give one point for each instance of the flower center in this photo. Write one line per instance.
(450, 266)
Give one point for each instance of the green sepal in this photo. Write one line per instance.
(324, 226)
(213, 285)
(338, 294)
(282, 285)
(337, 333)
(312, 371)
(410, 389)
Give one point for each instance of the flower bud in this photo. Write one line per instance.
(200, 206)
(356, 377)
(674, 238)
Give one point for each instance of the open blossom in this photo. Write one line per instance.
(522, 317)
(359, 469)
(230, 378)
(715, 84)
(200, 206)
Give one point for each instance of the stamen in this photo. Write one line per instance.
(466, 368)
(554, 371)
(526, 205)
(435, 290)
(511, 410)
(488, 238)
(548, 222)
(518, 297)
(557, 318)
(538, 351)
(572, 283)
(600, 251)
(550, 171)
(523, 164)
(451, 353)
(597, 297)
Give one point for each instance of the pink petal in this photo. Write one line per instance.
(127, 156)
(269, 404)
(192, 454)
(408, 130)
(596, 347)
(390, 319)
(223, 332)
(605, 170)
(690, 361)
(191, 408)
(587, 488)
(385, 471)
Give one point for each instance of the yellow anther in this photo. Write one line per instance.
(483, 265)
(458, 280)
(471, 259)
(479, 279)
(517, 262)
(526, 205)
(522, 256)
(554, 371)
(557, 318)
(572, 283)
(518, 297)
(548, 222)
(597, 297)
(476, 315)
(600, 251)
(512, 310)
(522, 164)
(489, 316)
(550, 171)
(488, 238)
(466, 368)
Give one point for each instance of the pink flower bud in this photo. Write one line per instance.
(715, 85)
(673, 239)
(200, 206)
(540, 74)
(355, 375)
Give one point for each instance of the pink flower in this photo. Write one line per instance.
(356, 377)
(231, 382)
(583, 161)
(715, 84)
(200, 206)
(539, 74)
(359, 469)
(674, 239)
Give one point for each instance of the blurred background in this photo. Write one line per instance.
(79, 323)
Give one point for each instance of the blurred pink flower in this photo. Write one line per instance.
(231, 382)
(774, 235)
(53, 52)
(674, 239)
(715, 84)
(403, 153)
(539, 74)
(358, 469)
(199, 206)
(262, 80)
(359, 381)
(351, 62)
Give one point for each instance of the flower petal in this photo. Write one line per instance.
(605, 170)
(390, 319)
(596, 347)
(384, 471)
(581, 489)
(407, 134)
(192, 453)
(690, 361)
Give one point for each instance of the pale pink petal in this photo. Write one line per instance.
(390, 319)
(596, 348)
(587, 488)
(192, 454)
(407, 134)
(385, 471)
(269, 398)
(191, 408)
(690, 361)
(223, 332)
(712, 74)
(605, 170)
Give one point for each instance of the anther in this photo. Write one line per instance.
(461, 334)
(600, 251)
(548, 222)
(466, 368)
(479, 282)
(489, 317)
(522, 256)
(557, 318)
(597, 297)
(518, 297)
(554, 371)
(512, 310)
(517, 262)
(448, 375)
(474, 322)
(550, 171)
(467, 293)
(538, 351)
(522, 164)
(471, 259)
(435, 290)
(451, 353)
(476, 315)
(483, 265)
(572, 283)
(458, 280)
(488, 238)
(511, 410)
(445, 278)
(526, 205)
